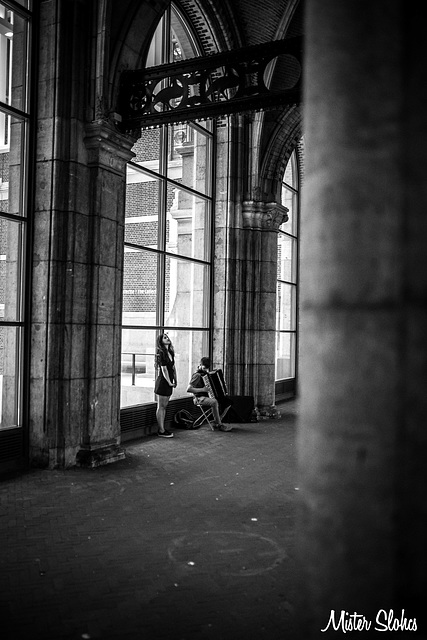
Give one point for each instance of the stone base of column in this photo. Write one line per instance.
(268, 412)
(90, 457)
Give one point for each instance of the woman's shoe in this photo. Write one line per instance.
(165, 434)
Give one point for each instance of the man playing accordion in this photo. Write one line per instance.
(204, 395)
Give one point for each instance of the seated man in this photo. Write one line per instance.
(197, 387)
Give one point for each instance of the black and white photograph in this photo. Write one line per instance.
(213, 320)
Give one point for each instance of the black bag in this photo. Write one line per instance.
(184, 420)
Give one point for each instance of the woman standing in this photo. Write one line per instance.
(166, 380)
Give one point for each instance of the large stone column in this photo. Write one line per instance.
(261, 222)
(108, 154)
(362, 442)
(250, 312)
(245, 275)
(77, 267)
(77, 289)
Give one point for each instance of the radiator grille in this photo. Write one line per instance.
(140, 420)
(11, 449)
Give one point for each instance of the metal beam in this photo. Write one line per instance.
(209, 86)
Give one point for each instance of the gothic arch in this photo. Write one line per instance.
(132, 40)
(284, 138)
(210, 23)
(213, 23)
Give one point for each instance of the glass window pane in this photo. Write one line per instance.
(286, 258)
(142, 209)
(182, 42)
(189, 347)
(290, 176)
(11, 257)
(11, 159)
(138, 362)
(188, 227)
(285, 356)
(138, 366)
(189, 155)
(13, 59)
(10, 340)
(155, 53)
(287, 271)
(289, 200)
(139, 287)
(147, 149)
(186, 293)
(4, 144)
(205, 124)
(286, 307)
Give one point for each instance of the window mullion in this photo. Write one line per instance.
(161, 278)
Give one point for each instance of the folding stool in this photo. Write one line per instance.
(207, 414)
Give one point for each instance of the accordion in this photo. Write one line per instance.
(215, 384)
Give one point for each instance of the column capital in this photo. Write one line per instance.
(107, 147)
(266, 216)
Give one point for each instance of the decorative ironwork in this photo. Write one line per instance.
(209, 86)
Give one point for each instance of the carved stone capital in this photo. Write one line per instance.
(107, 147)
(277, 214)
(267, 216)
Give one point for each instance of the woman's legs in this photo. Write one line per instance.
(162, 403)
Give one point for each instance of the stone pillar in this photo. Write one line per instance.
(108, 154)
(76, 308)
(261, 222)
(252, 303)
(77, 261)
(245, 274)
(362, 441)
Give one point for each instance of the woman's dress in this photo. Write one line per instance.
(162, 387)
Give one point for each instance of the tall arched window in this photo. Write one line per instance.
(287, 286)
(15, 48)
(168, 237)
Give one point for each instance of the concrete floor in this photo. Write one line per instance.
(191, 537)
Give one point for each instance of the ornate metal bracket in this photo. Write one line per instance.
(209, 86)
